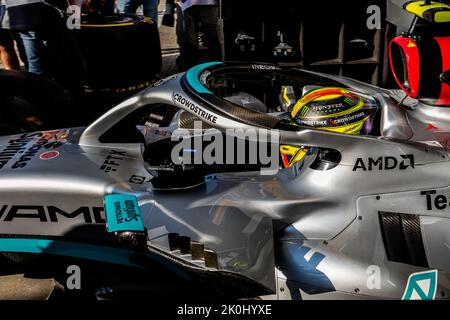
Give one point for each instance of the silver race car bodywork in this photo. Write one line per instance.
(357, 228)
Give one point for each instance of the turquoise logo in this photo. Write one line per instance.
(193, 76)
(122, 213)
(421, 286)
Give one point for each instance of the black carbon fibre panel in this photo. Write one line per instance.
(393, 238)
(187, 121)
(402, 238)
(413, 239)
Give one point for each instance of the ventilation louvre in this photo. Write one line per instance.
(402, 238)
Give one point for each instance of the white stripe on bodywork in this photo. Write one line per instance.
(15, 3)
(309, 254)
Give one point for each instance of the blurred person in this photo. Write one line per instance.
(97, 6)
(195, 17)
(50, 48)
(150, 7)
(168, 19)
(8, 54)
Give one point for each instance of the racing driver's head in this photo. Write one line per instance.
(328, 108)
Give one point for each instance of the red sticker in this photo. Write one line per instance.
(431, 127)
(48, 155)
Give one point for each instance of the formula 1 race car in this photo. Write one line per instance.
(134, 206)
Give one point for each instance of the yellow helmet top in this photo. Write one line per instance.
(327, 108)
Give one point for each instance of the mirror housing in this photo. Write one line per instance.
(445, 77)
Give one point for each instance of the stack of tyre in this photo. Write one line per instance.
(123, 56)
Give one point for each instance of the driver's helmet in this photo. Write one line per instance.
(328, 108)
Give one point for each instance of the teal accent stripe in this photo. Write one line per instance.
(82, 251)
(193, 76)
(69, 249)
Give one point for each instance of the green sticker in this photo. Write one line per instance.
(122, 213)
(421, 286)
